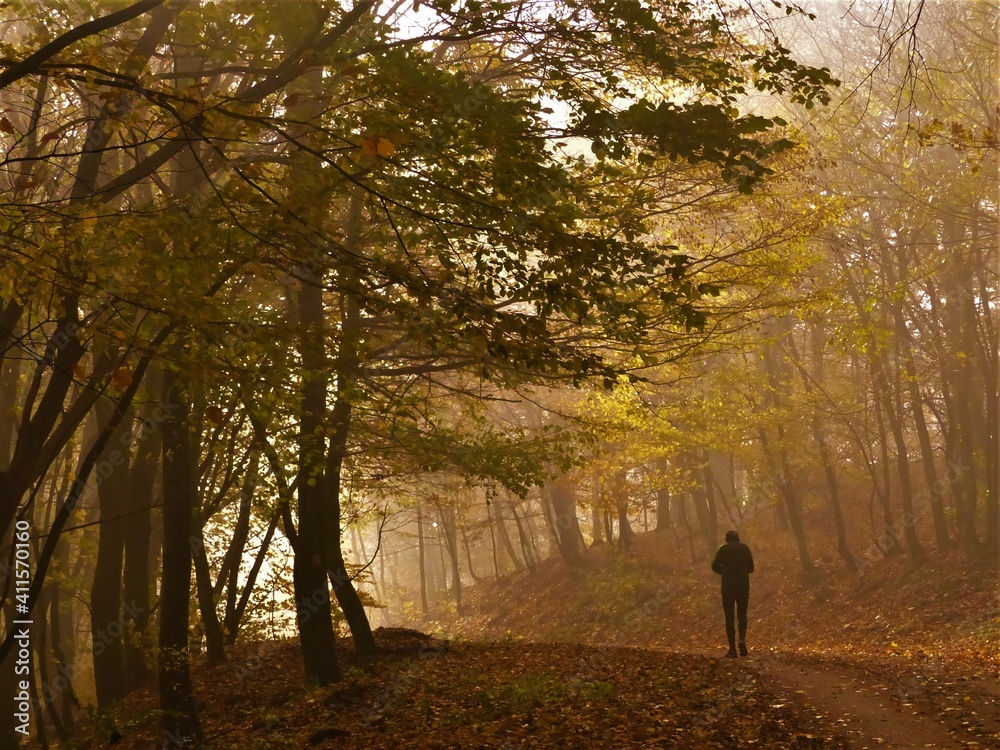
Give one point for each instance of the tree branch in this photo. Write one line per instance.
(33, 62)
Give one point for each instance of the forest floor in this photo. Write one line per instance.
(904, 655)
(624, 652)
(423, 692)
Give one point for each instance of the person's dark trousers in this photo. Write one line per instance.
(738, 599)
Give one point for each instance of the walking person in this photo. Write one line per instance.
(734, 562)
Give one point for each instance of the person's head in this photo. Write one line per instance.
(732, 537)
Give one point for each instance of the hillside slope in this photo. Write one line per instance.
(657, 597)
(904, 655)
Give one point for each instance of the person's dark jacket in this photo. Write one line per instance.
(734, 562)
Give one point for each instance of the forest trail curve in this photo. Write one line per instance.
(907, 710)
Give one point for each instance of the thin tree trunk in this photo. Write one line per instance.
(777, 455)
(61, 637)
(959, 324)
(493, 539)
(48, 692)
(138, 537)
(450, 537)
(626, 536)
(381, 579)
(890, 539)
(941, 536)
(468, 554)
(228, 581)
(347, 366)
(522, 536)
(891, 410)
(819, 435)
(422, 560)
(234, 616)
(704, 508)
(214, 636)
(683, 514)
(505, 537)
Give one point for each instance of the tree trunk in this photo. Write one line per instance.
(63, 645)
(529, 559)
(228, 581)
(309, 572)
(59, 618)
(987, 257)
(450, 537)
(49, 684)
(934, 489)
(568, 536)
(596, 527)
(10, 374)
(777, 456)
(663, 520)
(609, 529)
(384, 612)
(890, 539)
(959, 325)
(833, 494)
(493, 539)
(138, 537)
(214, 637)
(894, 413)
(704, 507)
(626, 536)
(505, 536)
(468, 554)
(682, 512)
(422, 560)
(179, 719)
(347, 366)
(234, 615)
(818, 344)
(106, 626)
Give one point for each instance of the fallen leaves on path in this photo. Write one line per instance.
(435, 695)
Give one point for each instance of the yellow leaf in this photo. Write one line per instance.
(384, 147)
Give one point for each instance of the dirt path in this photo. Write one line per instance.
(871, 711)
